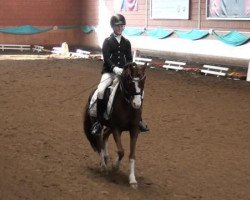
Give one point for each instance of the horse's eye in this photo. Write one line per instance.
(129, 80)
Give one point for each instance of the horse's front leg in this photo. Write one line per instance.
(120, 150)
(133, 140)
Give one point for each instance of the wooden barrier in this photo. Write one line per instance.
(80, 53)
(214, 70)
(38, 48)
(20, 47)
(140, 60)
(174, 65)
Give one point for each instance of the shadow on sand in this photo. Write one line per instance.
(117, 177)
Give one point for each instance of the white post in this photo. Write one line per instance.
(248, 72)
(134, 56)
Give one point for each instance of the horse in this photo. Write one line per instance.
(125, 116)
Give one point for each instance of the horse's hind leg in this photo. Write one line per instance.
(106, 135)
(104, 150)
(120, 150)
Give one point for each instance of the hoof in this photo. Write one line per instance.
(107, 160)
(116, 168)
(134, 185)
(104, 168)
(104, 171)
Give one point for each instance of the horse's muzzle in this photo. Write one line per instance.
(137, 101)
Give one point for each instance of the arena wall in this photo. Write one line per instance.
(46, 13)
(214, 51)
(141, 17)
(42, 14)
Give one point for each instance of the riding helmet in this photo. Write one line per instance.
(117, 19)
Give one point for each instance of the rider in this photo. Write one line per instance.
(116, 52)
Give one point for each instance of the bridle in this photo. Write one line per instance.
(128, 95)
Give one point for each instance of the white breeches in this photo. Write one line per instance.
(106, 80)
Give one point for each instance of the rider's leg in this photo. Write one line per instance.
(97, 126)
(106, 80)
(143, 126)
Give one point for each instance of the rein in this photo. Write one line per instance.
(127, 95)
(83, 91)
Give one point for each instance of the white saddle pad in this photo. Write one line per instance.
(93, 106)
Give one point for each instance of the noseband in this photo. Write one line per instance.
(128, 95)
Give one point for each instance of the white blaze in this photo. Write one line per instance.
(137, 98)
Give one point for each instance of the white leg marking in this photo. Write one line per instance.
(132, 180)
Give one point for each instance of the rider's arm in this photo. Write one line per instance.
(128, 53)
(107, 54)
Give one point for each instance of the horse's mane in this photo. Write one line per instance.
(126, 68)
(132, 69)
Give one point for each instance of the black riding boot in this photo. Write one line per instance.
(143, 126)
(97, 126)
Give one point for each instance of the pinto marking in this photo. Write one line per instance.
(137, 100)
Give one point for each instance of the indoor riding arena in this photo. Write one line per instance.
(196, 100)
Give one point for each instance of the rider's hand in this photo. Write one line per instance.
(117, 70)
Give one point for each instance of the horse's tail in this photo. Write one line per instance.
(94, 140)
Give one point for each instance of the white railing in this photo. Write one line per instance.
(20, 47)
(214, 70)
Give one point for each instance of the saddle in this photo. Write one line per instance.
(108, 97)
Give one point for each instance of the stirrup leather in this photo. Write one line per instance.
(143, 127)
(96, 128)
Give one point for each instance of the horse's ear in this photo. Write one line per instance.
(127, 66)
(132, 65)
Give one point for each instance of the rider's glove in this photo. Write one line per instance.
(117, 70)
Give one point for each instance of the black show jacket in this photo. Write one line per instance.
(115, 54)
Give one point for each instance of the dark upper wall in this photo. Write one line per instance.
(40, 12)
(90, 11)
